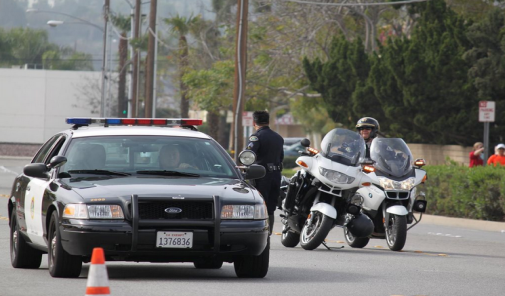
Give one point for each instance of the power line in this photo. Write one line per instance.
(357, 4)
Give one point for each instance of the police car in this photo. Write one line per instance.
(102, 183)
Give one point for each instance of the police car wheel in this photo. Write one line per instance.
(22, 255)
(253, 266)
(60, 263)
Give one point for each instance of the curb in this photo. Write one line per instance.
(464, 223)
(16, 157)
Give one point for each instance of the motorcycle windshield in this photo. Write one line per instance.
(392, 156)
(343, 146)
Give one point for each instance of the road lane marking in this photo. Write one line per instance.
(444, 234)
(4, 195)
(6, 170)
(4, 218)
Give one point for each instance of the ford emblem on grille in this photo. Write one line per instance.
(173, 210)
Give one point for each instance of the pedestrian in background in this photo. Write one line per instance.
(477, 155)
(268, 146)
(499, 157)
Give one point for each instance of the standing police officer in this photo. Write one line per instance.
(268, 146)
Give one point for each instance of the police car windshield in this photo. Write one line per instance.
(148, 155)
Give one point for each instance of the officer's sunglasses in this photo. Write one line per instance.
(365, 128)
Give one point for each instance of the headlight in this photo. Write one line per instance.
(83, 211)
(389, 184)
(335, 176)
(256, 212)
(247, 157)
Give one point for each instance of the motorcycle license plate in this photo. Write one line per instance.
(174, 239)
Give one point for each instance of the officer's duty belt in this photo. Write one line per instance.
(271, 167)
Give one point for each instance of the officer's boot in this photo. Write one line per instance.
(271, 224)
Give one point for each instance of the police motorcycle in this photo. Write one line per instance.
(321, 195)
(389, 193)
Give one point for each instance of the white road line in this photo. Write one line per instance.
(6, 170)
(442, 234)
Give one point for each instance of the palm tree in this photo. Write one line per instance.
(182, 26)
(123, 23)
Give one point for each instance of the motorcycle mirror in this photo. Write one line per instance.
(368, 161)
(305, 143)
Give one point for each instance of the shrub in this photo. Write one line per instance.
(289, 162)
(458, 191)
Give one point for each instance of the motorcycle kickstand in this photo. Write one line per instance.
(331, 248)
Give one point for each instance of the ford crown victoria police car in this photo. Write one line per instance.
(104, 186)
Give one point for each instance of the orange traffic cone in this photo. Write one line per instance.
(98, 280)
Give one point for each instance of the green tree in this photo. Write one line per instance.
(336, 80)
(435, 89)
(488, 67)
(20, 46)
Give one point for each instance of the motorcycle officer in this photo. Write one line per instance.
(268, 146)
(368, 128)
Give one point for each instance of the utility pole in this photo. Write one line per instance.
(150, 75)
(104, 56)
(240, 71)
(136, 60)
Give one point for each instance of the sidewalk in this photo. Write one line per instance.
(465, 223)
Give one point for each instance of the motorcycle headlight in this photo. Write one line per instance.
(83, 211)
(335, 177)
(389, 184)
(256, 212)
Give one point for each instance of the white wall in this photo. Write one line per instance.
(35, 103)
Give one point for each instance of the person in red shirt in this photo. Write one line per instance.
(477, 155)
(499, 157)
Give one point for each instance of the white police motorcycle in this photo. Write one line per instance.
(389, 193)
(321, 195)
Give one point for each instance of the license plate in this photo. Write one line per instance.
(173, 239)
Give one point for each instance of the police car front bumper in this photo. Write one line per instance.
(120, 240)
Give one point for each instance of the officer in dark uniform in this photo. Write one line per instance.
(268, 146)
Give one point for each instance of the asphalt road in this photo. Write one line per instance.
(437, 260)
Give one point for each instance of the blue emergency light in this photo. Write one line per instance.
(134, 121)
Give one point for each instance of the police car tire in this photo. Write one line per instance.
(208, 264)
(22, 255)
(60, 263)
(253, 266)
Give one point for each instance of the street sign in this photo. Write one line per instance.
(486, 111)
(247, 118)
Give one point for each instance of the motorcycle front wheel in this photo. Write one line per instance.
(314, 234)
(355, 242)
(396, 232)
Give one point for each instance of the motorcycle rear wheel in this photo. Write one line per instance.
(396, 232)
(289, 239)
(355, 242)
(313, 235)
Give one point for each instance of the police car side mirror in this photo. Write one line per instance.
(255, 171)
(36, 170)
(57, 161)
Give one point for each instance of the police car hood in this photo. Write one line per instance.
(124, 187)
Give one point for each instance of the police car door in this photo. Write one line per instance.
(35, 190)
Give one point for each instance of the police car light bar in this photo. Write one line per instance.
(134, 121)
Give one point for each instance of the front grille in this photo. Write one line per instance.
(193, 210)
(397, 195)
